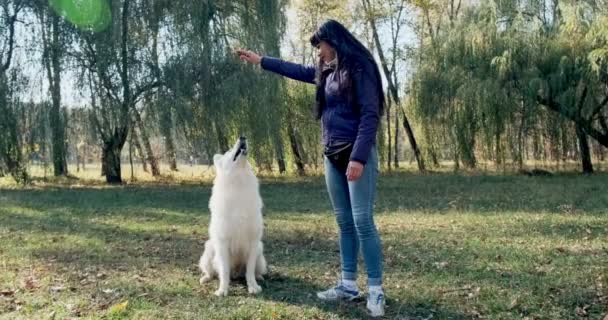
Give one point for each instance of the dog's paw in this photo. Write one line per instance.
(204, 279)
(221, 292)
(259, 277)
(254, 288)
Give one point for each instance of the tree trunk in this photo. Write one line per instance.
(111, 162)
(396, 141)
(520, 137)
(389, 134)
(139, 149)
(585, 151)
(146, 144)
(279, 151)
(498, 151)
(564, 141)
(113, 143)
(295, 149)
(171, 151)
(413, 144)
(168, 137)
(281, 163)
(53, 66)
(131, 159)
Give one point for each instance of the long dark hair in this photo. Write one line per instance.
(351, 54)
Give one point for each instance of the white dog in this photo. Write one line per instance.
(235, 245)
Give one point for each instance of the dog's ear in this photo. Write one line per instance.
(217, 160)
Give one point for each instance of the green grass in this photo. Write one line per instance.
(456, 247)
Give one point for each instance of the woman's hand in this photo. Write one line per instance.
(354, 170)
(249, 56)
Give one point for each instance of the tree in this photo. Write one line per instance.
(397, 9)
(54, 43)
(10, 148)
(117, 81)
(489, 74)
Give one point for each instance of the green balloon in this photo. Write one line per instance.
(92, 15)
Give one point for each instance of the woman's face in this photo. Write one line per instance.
(325, 52)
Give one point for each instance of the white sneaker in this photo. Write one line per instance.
(339, 292)
(376, 303)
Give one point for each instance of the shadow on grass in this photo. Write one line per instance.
(299, 291)
(106, 246)
(403, 192)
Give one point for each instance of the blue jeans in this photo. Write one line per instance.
(353, 203)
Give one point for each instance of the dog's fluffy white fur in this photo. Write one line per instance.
(235, 244)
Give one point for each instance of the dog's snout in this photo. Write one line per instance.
(243, 143)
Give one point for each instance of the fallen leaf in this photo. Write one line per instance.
(475, 313)
(7, 292)
(543, 269)
(30, 284)
(118, 308)
(582, 312)
(474, 292)
(76, 312)
(57, 288)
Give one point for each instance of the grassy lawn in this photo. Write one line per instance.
(456, 247)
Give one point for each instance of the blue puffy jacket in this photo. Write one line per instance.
(343, 119)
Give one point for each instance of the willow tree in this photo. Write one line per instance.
(155, 18)
(573, 75)
(196, 73)
(10, 146)
(501, 64)
(151, 17)
(117, 81)
(216, 97)
(566, 69)
(264, 23)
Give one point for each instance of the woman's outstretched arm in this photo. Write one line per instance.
(288, 69)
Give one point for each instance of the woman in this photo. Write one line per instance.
(349, 102)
